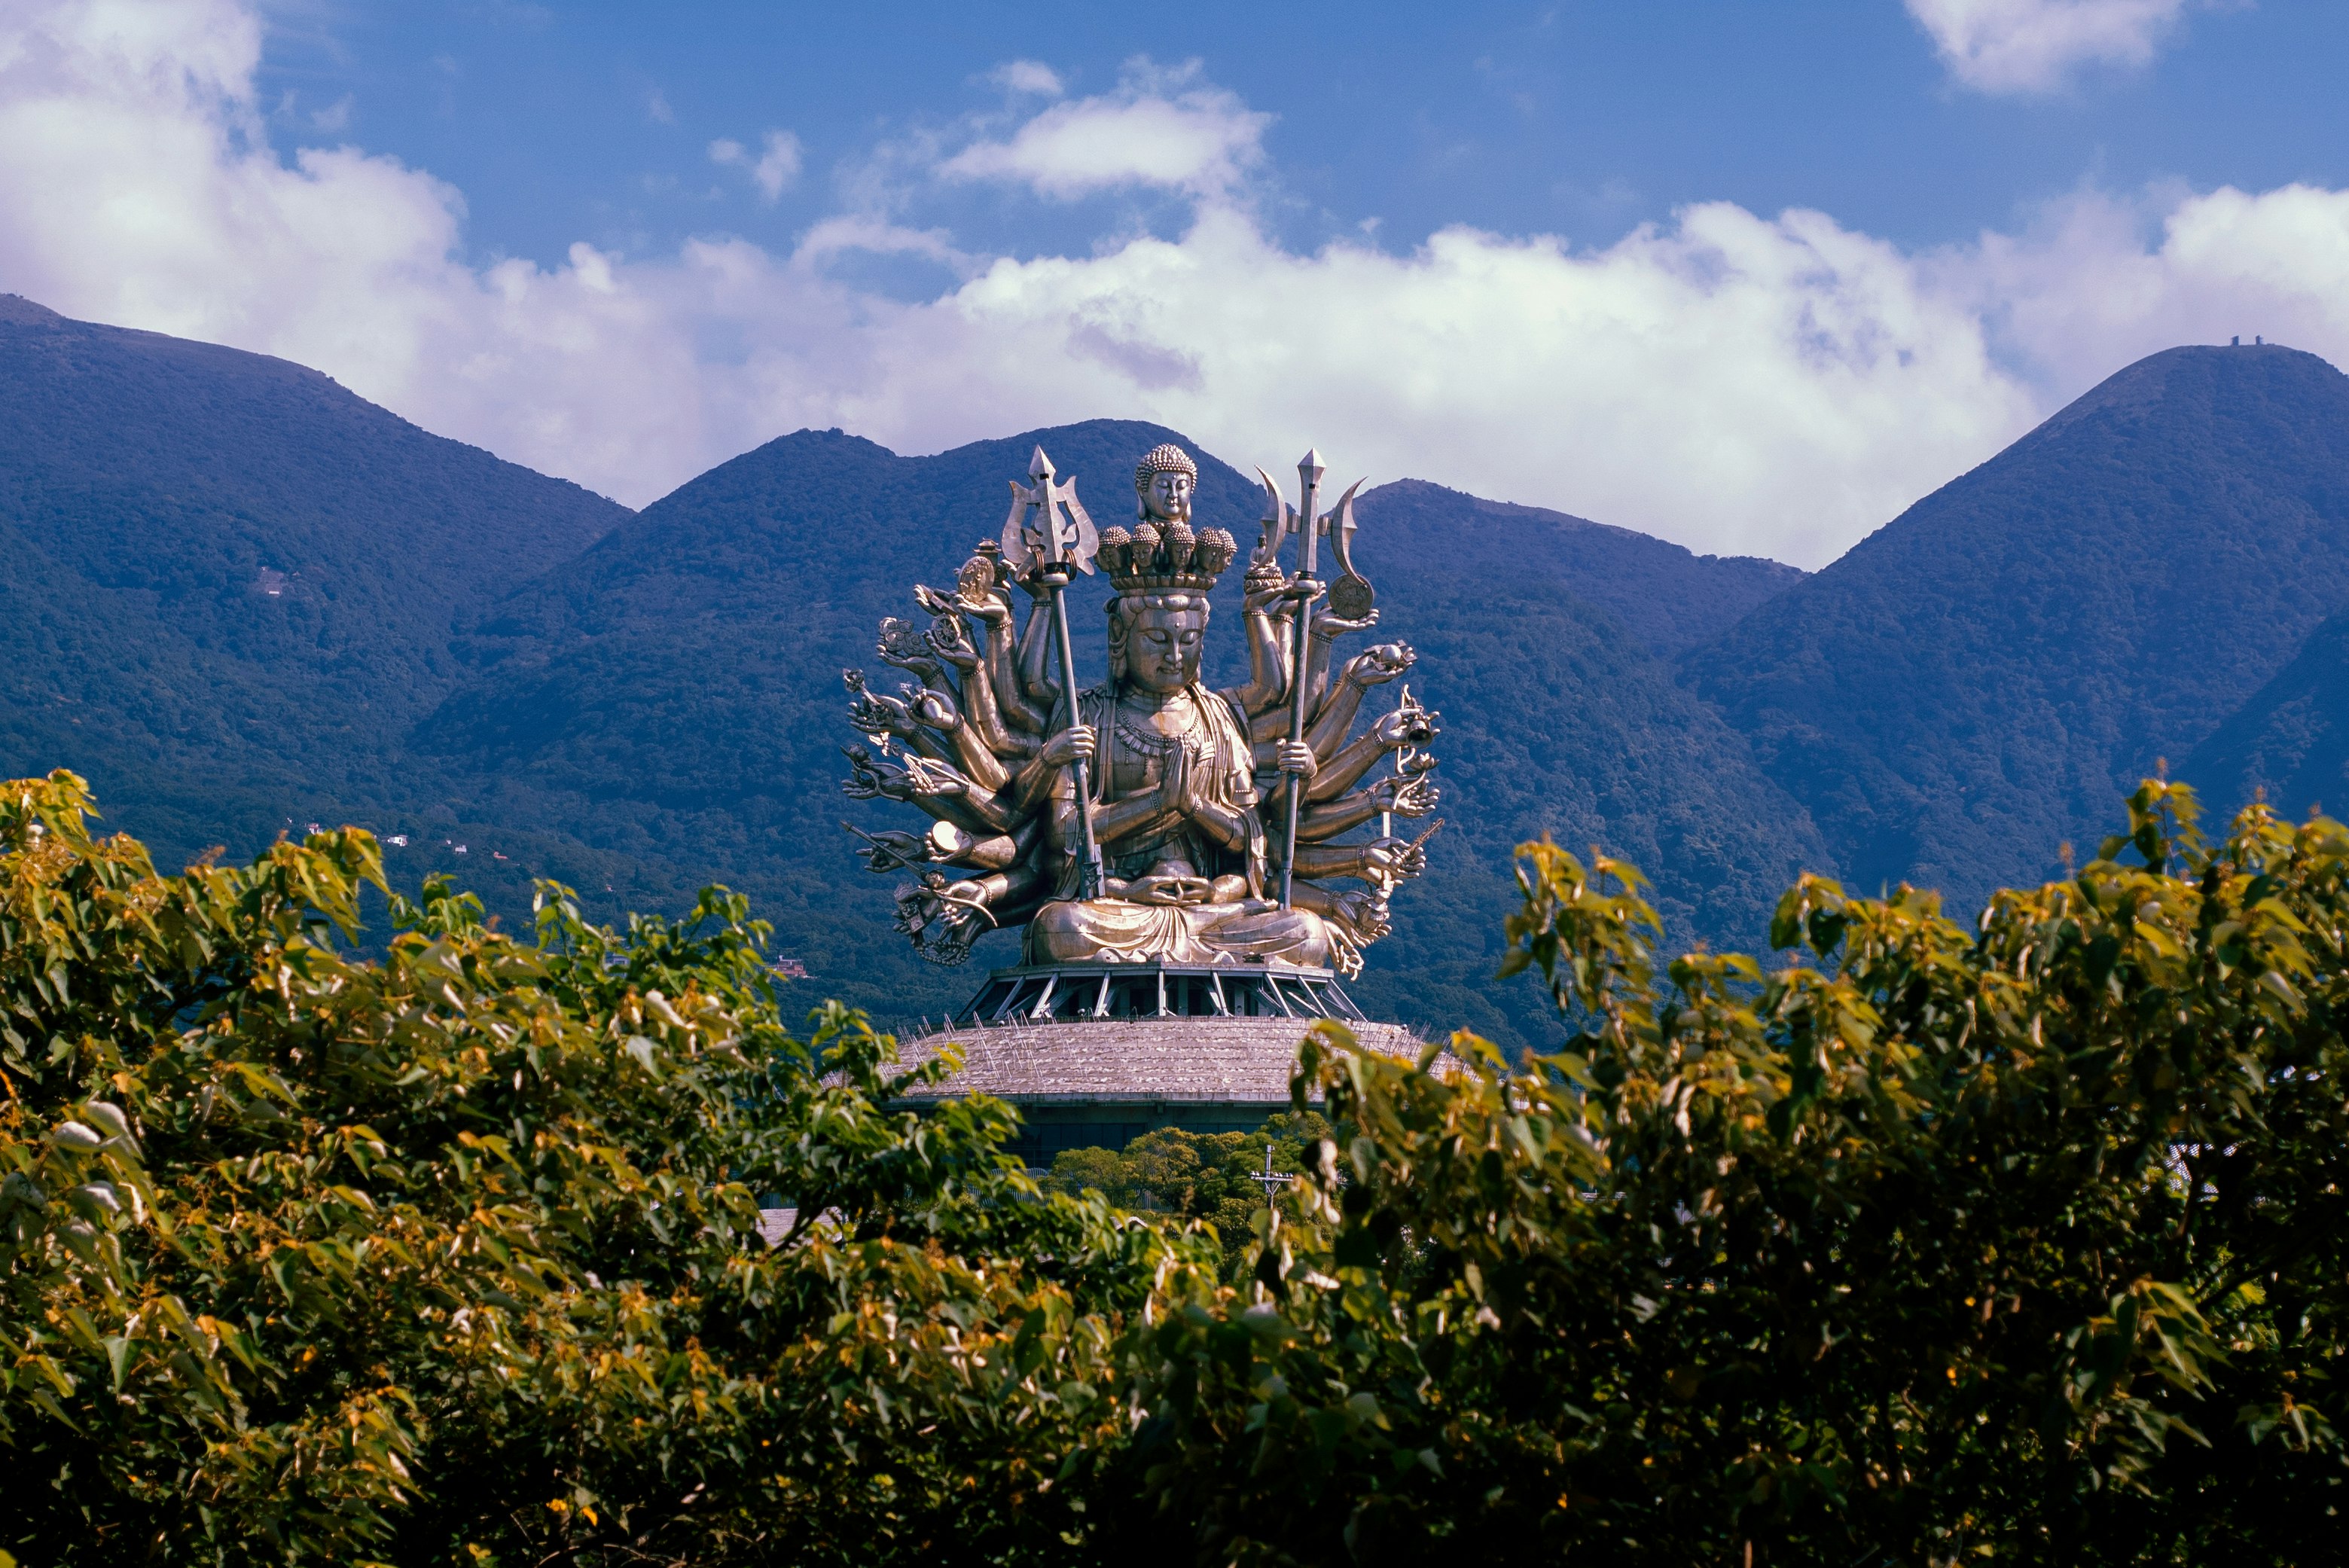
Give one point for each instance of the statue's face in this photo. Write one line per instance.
(1168, 499)
(1162, 647)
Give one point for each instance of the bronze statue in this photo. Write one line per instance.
(1135, 828)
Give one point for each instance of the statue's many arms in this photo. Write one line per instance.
(1189, 787)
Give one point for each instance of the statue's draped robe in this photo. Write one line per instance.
(1220, 915)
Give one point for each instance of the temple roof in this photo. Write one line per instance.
(1196, 1060)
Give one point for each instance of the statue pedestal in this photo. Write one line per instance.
(1098, 1054)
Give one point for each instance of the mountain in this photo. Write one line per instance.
(1667, 596)
(2290, 742)
(1978, 681)
(241, 598)
(231, 584)
(669, 700)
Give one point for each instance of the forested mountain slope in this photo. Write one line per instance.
(671, 700)
(239, 597)
(1975, 683)
(230, 584)
(242, 599)
(2291, 741)
(1664, 594)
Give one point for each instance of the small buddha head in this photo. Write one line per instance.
(1162, 571)
(1164, 480)
(1155, 640)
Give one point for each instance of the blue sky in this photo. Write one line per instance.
(563, 122)
(1752, 276)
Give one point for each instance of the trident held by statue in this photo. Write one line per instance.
(1280, 520)
(1048, 533)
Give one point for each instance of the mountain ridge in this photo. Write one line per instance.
(236, 559)
(803, 543)
(1977, 682)
(242, 599)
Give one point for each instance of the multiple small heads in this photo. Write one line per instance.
(1162, 570)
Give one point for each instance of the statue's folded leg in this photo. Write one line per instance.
(1109, 931)
(1290, 935)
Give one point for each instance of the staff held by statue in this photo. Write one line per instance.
(1058, 542)
(1310, 525)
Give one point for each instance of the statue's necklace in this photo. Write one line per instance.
(1146, 742)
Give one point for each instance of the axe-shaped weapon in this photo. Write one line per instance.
(1057, 547)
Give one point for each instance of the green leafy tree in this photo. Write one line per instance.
(2027, 1243)
(451, 1257)
(1209, 1176)
(1929, 1246)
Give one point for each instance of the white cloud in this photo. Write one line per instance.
(1032, 78)
(334, 116)
(1737, 382)
(860, 232)
(773, 172)
(2101, 282)
(2034, 46)
(1156, 130)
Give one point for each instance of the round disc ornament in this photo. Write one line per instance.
(1351, 597)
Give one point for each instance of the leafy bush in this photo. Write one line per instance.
(448, 1257)
(2028, 1243)
(2023, 1242)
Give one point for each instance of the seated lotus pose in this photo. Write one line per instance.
(1188, 786)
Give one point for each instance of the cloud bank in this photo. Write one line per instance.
(1739, 382)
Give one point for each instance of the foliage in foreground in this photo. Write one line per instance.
(2028, 1242)
(448, 1257)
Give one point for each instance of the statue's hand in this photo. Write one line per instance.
(1174, 783)
(970, 894)
(1326, 627)
(877, 714)
(1071, 745)
(1394, 860)
(950, 642)
(934, 708)
(1296, 757)
(1406, 796)
(1376, 666)
(1412, 726)
(873, 777)
(1266, 591)
(887, 851)
(1366, 913)
(902, 643)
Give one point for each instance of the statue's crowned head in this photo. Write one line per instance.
(1162, 571)
(1155, 639)
(1166, 479)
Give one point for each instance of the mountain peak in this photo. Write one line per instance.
(16, 310)
(1983, 677)
(2200, 377)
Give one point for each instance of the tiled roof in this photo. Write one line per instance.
(1243, 1060)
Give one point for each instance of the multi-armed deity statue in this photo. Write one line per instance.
(1159, 821)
